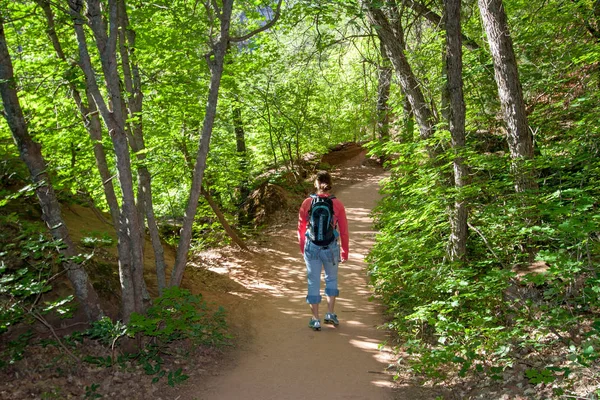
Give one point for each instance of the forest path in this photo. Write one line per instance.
(284, 359)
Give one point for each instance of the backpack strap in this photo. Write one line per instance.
(314, 198)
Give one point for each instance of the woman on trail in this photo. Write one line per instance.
(321, 221)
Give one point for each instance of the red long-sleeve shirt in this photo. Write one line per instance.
(339, 220)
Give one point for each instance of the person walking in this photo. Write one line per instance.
(322, 225)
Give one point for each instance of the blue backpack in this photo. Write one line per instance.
(321, 230)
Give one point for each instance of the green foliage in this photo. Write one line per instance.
(177, 315)
(90, 391)
(106, 332)
(176, 377)
(281, 93)
(152, 364)
(540, 376)
(28, 264)
(97, 239)
(309, 83)
(475, 312)
(16, 349)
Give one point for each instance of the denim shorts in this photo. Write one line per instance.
(319, 258)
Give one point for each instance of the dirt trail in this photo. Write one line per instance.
(285, 359)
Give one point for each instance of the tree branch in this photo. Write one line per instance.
(41, 319)
(485, 241)
(436, 20)
(262, 28)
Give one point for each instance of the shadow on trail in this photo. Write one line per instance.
(287, 360)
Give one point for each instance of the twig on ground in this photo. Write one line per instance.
(47, 325)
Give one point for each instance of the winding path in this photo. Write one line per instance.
(285, 359)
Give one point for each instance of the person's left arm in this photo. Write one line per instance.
(340, 212)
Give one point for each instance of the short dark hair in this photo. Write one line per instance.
(323, 180)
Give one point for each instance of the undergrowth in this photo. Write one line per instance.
(177, 323)
(529, 283)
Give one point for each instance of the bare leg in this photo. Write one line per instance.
(315, 310)
(330, 303)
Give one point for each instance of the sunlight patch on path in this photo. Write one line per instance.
(287, 360)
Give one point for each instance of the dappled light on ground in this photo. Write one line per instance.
(286, 360)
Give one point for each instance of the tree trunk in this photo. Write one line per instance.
(240, 147)
(216, 67)
(228, 229)
(456, 123)
(216, 62)
(269, 123)
(213, 205)
(242, 156)
(240, 138)
(90, 118)
(383, 94)
(134, 104)
(392, 36)
(31, 155)
(519, 137)
(129, 244)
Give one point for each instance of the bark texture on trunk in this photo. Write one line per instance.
(216, 61)
(133, 86)
(391, 33)
(456, 124)
(384, 82)
(91, 120)
(519, 137)
(31, 155)
(130, 245)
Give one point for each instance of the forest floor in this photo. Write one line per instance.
(274, 355)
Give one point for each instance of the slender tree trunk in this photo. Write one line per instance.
(269, 123)
(216, 62)
(383, 94)
(129, 245)
(90, 118)
(391, 33)
(216, 67)
(519, 137)
(31, 155)
(228, 229)
(240, 137)
(134, 104)
(408, 121)
(242, 154)
(213, 204)
(456, 123)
